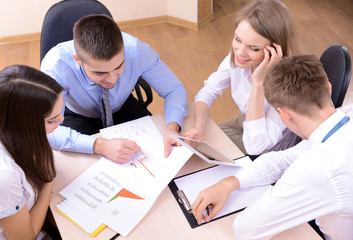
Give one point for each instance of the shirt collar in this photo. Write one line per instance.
(88, 81)
(326, 126)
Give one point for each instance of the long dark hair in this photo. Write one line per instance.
(27, 96)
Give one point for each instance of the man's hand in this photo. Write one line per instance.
(216, 195)
(168, 141)
(119, 150)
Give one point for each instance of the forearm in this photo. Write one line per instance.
(40, 208)
(256, 102)
(231, 183)
(201, 111)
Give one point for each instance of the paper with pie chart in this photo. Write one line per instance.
(120, 195)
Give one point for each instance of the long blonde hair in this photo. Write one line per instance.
(272, 20)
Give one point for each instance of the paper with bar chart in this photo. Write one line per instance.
(120, 195)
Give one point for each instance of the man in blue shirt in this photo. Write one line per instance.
(102, 58)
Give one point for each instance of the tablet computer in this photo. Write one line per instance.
(206, 151)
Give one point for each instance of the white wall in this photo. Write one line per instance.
(26, 16)
(183, 9)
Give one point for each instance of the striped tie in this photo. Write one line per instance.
(107, 115)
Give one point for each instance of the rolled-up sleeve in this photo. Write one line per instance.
(261, 134)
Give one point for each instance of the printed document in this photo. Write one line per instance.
(120, 195)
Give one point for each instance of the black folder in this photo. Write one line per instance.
(188, 213)
(196, 181)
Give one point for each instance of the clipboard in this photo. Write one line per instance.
(186, 188)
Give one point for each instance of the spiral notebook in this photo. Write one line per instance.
(82, 219)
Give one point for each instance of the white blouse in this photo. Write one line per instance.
(259, 135)
(15, 190)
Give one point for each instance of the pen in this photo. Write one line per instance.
(208, 211)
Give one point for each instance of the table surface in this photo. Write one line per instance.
(164, 220)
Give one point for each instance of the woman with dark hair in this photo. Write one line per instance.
(30, 108)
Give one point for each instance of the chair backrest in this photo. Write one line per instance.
(58, 27)
(60, 19)
(336, 62)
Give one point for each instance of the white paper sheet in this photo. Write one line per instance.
(194, 183)
(121, 194)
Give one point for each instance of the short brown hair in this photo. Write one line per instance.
(97, 37)
(298, 83)
(27, 96)
(272, 20)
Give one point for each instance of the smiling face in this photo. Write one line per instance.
(53, 120)
(101, 72)
(248, 46)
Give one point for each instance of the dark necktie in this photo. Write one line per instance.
(107, 115)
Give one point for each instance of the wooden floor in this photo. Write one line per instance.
(194, 55)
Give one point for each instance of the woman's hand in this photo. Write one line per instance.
(272, 55)
(196, 133)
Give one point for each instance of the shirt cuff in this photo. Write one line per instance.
(86, 143)
(175, 116)
(246, 178)
(255, 126)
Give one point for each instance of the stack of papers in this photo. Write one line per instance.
(120, 195)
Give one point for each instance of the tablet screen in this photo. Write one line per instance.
(204, 149)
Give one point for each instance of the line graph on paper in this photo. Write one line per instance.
(142, 161)
(144, 166)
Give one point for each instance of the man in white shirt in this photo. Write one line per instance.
(314, 179)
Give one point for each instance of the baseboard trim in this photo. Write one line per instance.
(125, 24)
(205, 20)
(30, 37)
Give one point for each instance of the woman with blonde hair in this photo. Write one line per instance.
(264, 33)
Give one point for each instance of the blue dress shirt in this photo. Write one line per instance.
(83, 96)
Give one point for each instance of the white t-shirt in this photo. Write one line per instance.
(259, 135)
(15, 190)
(314, 181)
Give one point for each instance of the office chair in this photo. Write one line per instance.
(58, 26)
(336, 62)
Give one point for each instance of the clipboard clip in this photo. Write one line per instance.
(183, 200)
